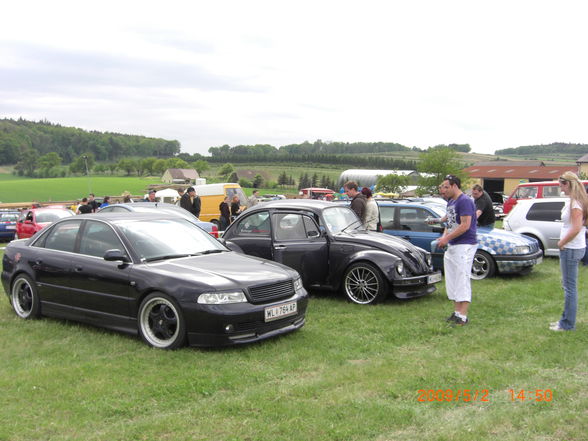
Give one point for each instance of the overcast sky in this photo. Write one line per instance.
(492, 74)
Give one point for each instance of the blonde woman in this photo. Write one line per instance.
(572, 244)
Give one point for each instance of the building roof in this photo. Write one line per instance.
(546, 173)
(183, 173)
(510, 163)
(582, 159)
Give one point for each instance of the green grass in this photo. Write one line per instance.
(352, 373)
(65, 189)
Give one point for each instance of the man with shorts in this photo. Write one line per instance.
(460, 239)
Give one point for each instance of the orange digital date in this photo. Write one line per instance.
(447, 395)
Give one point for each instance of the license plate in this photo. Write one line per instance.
(11, 227)
(539, 260)
(279, 311)
(434, 278)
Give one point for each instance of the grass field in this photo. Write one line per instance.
(352, 373)
(65, 189)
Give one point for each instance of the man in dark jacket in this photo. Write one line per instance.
(484, 208)
(358, 201)
(191, 201)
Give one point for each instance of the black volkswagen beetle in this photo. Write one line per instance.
(154, 274)
(327, 245)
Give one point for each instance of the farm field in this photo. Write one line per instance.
(63, 189)
(352, 373)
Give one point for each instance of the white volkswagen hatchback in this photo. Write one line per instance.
(538, 218)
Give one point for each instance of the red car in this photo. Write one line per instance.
(35, 219)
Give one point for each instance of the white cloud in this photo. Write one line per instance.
(494, 75)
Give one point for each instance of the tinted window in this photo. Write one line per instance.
(98, 238)
(62, 237)
(387, 217)
(257, 224)
(414, 219)
(290, 226)
(550, 211)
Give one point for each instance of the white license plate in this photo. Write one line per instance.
(434, 278)
(11, 227)
(279, 311)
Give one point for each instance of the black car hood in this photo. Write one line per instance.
(411, 255)
(226, 270)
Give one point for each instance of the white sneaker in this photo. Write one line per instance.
(554, 324)
(556, 327)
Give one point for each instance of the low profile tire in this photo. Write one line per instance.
(483, 266)
(24, 298)
(161, 323)
(363, 284)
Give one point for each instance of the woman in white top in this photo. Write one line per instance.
(572, 244)
(372, 212)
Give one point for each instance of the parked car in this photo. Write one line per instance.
(499, 251)
(539, 219)
(153, 274)
(534, 190)
(35, 219)
(148, 207)
(326, 244)
(8, 220)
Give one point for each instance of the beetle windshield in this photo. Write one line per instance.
(168, 238)
(339, 218)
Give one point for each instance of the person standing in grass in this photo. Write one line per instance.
(572, 245)
(460, 239)
(225, 213)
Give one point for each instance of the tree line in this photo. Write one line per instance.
(553, 148)
(19, 137)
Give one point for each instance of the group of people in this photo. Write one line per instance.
(90, 204)
(460, 240)
(230, 208)
(464, 215)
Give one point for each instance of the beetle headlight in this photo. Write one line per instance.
(298, 284)
(522, 249)
(222, 298)
(428, 259)
(400, 267)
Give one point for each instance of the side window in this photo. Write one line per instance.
(62, 237)
(257, 224)
(387, 217)
(289, 226)
(114, 209)
(551, 191)
(98, 237)
(311, 227)
(550, 212)
(526, 192)
(414, 219)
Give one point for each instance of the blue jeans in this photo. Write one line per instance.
(568, 262)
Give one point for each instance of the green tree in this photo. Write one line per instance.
(391, 183)
(226, 170)
(435, 165)
(147, 165)
(49, 160)
(27, 162)
(159, 166)
(176, 163)
(258, 181)
(128, 165)
(82, 164)
(201, 166)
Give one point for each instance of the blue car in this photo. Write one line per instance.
(499, 251)
(8, 224)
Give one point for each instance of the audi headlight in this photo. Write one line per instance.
(522, 249)
(222, 298)
(298, 284)
(400, 267)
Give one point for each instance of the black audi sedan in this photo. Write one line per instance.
(153, 274)
(327, 245)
